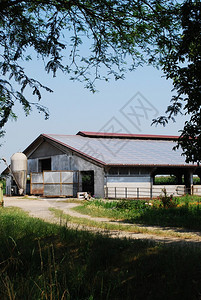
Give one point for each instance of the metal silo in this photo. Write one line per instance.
(19, 170)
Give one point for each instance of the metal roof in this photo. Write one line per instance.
(123, 151)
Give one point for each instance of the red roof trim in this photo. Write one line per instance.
(126, 135)
(74, 149)
(151, 165)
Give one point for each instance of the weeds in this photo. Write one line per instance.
(166, 199)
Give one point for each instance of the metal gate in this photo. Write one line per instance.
(55, 183)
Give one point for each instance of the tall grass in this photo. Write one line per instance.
(44, 261)
(182, 212)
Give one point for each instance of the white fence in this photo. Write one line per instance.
(140, 192)
(196, 190)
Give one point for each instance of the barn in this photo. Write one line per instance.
(107, 165)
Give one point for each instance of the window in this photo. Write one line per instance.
(123, 171)
(44, 165)
(134, 171)
(113, 171)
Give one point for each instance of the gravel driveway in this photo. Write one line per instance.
(39, 208)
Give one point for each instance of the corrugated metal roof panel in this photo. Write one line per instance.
(123, 151)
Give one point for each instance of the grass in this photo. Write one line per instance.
(96, 224)
(100, 208)
(67, 219)
(44, 261)
(182, 212)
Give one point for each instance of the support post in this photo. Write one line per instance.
(151, 192)
(106, 191)
(138, 193)
(188, 180)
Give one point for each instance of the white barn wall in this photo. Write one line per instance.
(128, 187)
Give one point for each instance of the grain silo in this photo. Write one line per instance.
(19, 170)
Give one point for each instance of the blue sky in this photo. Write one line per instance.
(120, 106)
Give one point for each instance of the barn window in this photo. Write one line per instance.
(134, 171)
(113, 171)
(123, 171)
(144, 171)
(44, 165)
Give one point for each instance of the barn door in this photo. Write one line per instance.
(55, 183)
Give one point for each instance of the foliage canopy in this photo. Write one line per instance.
(183, 65)
(94, 40)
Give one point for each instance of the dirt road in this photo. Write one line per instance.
(39, 208)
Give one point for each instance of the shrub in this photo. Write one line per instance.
(167, 200)
(131, 204)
